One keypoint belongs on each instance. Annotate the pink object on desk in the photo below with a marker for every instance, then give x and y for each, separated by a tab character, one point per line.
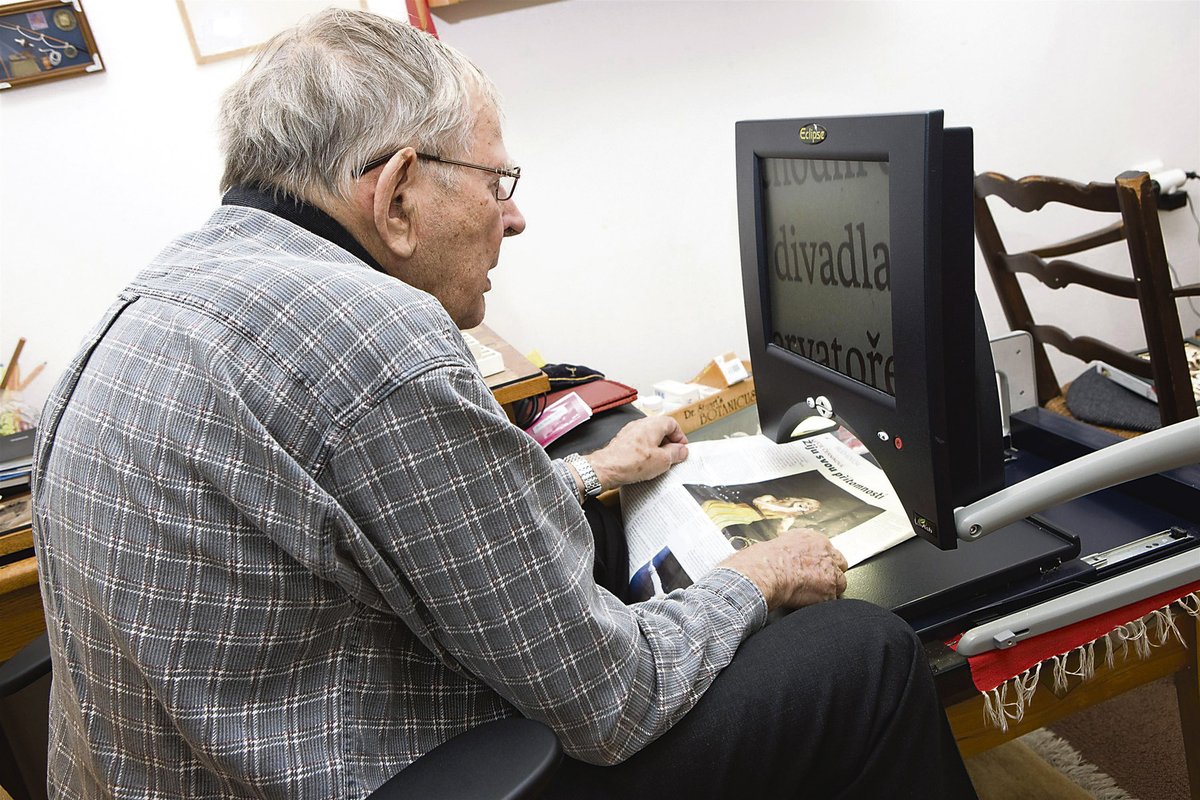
564	414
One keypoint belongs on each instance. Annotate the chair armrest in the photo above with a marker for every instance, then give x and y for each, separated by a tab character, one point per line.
503	760
26	666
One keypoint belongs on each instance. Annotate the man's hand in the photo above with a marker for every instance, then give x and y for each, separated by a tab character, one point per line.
643	449
799	568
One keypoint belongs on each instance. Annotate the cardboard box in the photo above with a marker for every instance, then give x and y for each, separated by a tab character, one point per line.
712	408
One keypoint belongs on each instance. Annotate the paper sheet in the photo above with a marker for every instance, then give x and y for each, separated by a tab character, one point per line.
733	492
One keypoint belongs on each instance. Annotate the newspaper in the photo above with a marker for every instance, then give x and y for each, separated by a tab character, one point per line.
731	493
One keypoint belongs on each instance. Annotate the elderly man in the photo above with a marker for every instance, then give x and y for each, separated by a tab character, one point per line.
289	542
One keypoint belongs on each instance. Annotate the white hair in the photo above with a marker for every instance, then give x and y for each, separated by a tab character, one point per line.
339	89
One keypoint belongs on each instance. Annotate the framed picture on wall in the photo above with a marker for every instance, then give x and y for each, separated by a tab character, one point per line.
43	40
219	29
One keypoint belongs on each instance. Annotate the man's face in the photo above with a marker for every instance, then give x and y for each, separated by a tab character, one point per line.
459	229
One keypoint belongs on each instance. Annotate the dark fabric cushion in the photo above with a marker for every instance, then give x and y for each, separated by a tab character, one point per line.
1094	398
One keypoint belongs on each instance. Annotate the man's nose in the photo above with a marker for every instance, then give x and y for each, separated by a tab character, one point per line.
514	220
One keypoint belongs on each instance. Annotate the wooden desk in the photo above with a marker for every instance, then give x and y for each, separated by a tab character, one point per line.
520	378
975	735
20	601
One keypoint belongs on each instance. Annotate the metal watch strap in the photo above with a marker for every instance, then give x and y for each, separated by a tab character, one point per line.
591	482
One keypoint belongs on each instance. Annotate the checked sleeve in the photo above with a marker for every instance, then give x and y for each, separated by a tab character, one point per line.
466	531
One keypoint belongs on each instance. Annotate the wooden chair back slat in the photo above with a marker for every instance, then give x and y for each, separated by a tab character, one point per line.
1089	241
1060	272
1088	348
1034	192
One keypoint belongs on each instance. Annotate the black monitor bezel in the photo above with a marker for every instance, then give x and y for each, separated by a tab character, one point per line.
949	454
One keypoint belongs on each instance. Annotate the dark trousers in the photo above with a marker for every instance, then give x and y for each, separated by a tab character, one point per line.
832	701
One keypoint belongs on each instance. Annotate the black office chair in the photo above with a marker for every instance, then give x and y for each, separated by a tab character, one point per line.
509	759
1133	198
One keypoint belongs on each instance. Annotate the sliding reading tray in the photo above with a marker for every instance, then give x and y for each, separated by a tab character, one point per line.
1070	546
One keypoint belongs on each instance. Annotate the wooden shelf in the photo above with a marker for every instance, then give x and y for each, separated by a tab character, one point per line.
520	378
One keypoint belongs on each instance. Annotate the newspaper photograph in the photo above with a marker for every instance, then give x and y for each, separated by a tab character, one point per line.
731	493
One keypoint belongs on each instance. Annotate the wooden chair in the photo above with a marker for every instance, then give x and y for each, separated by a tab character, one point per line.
1134	196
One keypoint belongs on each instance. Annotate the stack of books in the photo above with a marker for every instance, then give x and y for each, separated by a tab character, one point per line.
16	459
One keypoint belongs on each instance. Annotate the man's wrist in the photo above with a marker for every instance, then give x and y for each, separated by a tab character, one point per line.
757	572
591	486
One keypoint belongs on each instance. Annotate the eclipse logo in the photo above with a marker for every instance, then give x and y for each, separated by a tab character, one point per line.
812	133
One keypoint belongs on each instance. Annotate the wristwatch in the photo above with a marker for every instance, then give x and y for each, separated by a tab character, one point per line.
591	482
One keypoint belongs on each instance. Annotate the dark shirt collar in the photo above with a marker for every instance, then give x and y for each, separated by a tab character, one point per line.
306	215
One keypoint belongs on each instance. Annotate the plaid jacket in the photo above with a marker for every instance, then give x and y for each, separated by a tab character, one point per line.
288	543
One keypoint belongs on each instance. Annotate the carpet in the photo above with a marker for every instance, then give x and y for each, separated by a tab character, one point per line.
1127	748
1014	771
1136	738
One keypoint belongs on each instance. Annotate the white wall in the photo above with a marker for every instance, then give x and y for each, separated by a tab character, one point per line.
621	115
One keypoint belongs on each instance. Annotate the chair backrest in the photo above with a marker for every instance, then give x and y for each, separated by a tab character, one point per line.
1134	196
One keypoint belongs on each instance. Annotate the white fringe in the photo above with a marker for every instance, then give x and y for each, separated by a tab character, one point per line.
1059	753
1153	630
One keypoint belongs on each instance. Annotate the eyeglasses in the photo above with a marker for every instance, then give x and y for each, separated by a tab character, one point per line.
504	189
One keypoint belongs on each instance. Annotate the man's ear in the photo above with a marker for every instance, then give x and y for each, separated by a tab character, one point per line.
393	203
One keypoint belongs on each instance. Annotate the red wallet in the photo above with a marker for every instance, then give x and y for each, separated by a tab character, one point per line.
600	395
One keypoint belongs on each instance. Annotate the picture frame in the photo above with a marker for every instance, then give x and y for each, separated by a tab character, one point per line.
45	40
218	29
